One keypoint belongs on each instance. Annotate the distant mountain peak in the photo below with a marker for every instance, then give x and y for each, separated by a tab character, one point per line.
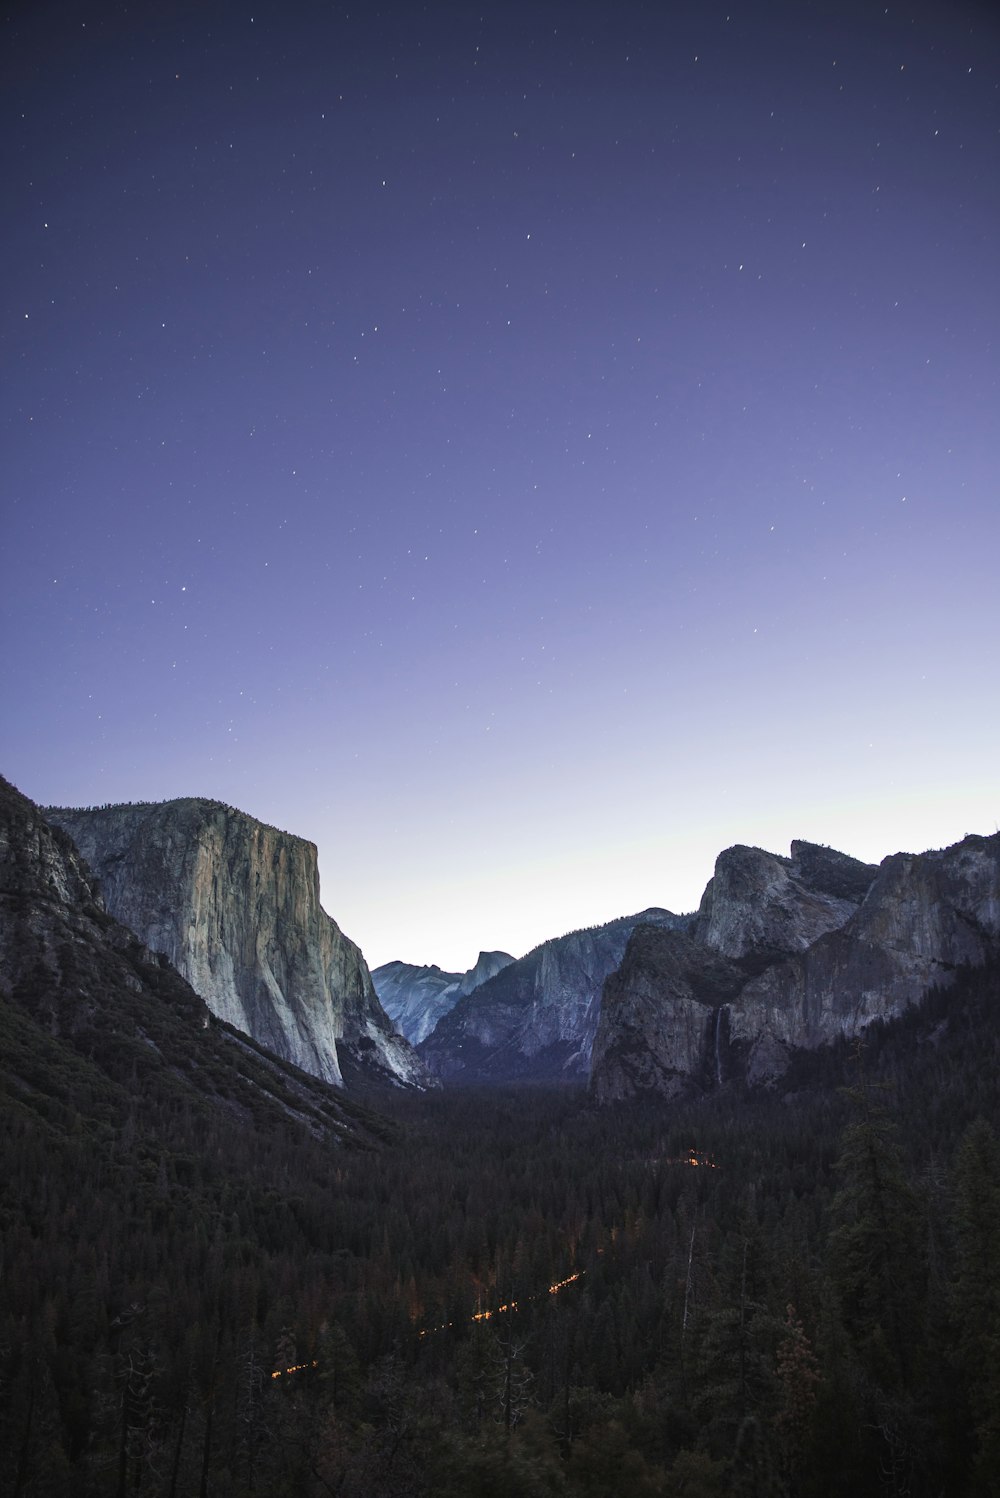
416	997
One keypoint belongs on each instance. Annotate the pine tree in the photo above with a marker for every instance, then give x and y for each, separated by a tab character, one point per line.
736	1364
798	1378
977	1294
876	1247
878	1271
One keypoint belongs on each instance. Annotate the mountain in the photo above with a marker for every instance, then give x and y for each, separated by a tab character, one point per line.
761	906
787	954
925	916
234	905
658	1015
222	1275
96	1026
415	997
536	1019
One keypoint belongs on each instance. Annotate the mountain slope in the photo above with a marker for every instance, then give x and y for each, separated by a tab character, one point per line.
763	906
660	1024
415	998
537	1018
235	907
925	915
817	946
96	1024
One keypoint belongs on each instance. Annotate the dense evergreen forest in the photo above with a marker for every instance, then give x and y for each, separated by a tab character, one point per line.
515	1292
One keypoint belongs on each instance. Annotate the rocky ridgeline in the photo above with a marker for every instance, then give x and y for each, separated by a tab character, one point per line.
787	954
536	1020
235	907
416	997
782	954
762	906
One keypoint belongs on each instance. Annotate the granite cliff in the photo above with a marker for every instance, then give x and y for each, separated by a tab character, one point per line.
660	1014
788	954
924	916
234	905
415	998
762	907
536	1020
95	1024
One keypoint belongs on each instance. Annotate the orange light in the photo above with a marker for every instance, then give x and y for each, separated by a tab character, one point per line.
281	1372
693	1158
511	1306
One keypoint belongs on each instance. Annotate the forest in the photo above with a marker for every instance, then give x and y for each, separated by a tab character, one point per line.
514	1292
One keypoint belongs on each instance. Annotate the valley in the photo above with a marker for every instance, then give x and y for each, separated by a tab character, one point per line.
699	1315
223	1275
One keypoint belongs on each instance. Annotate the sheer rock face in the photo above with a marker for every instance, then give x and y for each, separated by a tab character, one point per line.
924	915
80	981
660	1014
538	1017
415	997
235	907
487	965
762	906
817	946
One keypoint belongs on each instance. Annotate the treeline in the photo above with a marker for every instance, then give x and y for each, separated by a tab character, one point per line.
206	801
622	920
812	1309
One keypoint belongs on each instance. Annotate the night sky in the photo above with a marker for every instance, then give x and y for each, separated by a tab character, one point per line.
523	448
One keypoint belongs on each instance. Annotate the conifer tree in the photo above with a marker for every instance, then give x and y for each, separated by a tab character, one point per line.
798	1377
977	1294
876	1246
878	1272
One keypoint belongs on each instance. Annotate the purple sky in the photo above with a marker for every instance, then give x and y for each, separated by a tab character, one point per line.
524	449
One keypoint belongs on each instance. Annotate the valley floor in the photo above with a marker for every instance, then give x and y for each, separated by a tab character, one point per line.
516	1292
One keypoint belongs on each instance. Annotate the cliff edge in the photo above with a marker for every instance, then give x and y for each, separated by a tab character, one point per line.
234	905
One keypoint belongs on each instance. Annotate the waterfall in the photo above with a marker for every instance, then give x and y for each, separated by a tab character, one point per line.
723	1008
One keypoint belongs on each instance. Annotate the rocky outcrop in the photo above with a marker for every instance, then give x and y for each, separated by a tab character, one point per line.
415	998
536	1020
925	915
764	907
94	1021
662	1016
234	905
816	946
487	965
